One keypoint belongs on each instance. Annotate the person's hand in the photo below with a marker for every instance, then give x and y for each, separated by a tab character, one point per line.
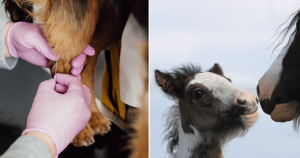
26	40
61	116
78	62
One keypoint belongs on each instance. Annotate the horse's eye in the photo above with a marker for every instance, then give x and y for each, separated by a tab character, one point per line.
198	94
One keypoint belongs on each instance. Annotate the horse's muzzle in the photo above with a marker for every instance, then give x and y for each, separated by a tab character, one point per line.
266	106
282	113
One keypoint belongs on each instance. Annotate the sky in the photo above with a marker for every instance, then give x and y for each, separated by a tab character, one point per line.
239	36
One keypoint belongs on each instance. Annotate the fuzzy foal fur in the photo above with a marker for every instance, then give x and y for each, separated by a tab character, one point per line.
69	25
200	127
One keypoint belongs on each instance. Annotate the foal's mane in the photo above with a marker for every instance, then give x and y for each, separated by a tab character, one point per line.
184	71
172	114
171	124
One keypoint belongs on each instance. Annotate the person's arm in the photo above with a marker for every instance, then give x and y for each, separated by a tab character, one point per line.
5	31
27	146
46	139
55	118
6	60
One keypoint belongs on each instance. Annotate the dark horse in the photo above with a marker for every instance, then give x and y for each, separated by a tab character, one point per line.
279	88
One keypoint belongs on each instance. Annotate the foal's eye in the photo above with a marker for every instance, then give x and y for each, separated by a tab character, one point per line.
198	94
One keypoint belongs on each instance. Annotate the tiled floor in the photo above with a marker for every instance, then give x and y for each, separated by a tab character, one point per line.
17	90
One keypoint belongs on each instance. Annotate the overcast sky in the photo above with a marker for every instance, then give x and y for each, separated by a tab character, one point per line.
235	34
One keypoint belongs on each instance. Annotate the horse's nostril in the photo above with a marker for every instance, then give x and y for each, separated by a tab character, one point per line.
256	99
266	106
241	102
257	89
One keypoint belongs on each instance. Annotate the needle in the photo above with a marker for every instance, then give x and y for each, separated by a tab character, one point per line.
55	76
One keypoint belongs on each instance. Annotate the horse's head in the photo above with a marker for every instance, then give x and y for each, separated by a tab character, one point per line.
279	88
208	101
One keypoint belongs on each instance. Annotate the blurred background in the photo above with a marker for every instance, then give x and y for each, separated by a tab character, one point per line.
237	35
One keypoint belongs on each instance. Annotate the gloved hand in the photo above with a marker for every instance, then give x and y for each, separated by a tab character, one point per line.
27	41
61	116
77	62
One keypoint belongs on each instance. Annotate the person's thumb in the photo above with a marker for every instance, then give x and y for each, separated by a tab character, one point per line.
73	83
43	46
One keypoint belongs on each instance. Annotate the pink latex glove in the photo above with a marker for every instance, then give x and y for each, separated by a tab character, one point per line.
27	41
61	116
77	62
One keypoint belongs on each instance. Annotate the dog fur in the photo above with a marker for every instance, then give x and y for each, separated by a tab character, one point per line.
69	26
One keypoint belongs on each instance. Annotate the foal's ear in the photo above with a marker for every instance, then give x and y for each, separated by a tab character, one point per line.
167	83
216	69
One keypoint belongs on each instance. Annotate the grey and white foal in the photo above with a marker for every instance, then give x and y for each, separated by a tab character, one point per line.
209	111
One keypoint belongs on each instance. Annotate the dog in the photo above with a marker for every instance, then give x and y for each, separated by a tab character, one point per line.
69	26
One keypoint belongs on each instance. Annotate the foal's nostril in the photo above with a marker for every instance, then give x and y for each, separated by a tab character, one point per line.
241	102
257	89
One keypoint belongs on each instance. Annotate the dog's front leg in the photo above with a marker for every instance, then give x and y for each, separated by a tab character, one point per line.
97	124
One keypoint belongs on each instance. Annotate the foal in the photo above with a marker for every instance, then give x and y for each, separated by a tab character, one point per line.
209	111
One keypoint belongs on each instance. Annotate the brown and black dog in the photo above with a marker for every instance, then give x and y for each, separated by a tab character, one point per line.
69	25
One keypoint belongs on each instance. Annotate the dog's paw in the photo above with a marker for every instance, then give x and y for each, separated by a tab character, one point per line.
84	138
99	124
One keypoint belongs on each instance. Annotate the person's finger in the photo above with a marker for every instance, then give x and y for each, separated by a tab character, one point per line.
61	88
75	71
78	76
38	59
73	83
89	50
79	61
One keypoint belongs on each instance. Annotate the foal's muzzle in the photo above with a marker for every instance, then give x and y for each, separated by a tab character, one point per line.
246	108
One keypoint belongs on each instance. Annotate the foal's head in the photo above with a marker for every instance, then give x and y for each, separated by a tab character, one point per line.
208	102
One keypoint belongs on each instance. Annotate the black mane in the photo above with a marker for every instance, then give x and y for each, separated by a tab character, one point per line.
173	82
184	71
171	129
284	32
